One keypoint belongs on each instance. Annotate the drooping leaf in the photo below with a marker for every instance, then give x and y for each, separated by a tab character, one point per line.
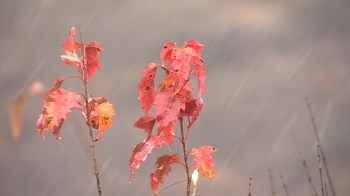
181	67
196	46
58	103
101	115
146	122
198	109
168	108
147	90
203	160
168	133
200	72
91	59
70	48
163	169
141	151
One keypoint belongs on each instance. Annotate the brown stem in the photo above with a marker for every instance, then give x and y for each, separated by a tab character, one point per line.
311	185
284	186
321	149
185	158
271	183
88	113
250	184
320	168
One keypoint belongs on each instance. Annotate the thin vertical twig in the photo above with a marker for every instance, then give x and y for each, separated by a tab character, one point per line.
320	168
271	183
311	185
88	113
284	186
321	149
250	184
183	141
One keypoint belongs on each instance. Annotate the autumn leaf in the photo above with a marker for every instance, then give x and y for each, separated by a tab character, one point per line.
141	151
147	90
168	108
196	46
70	48
181	67
203	160
146	122
91	59
200	72
16	116
165	53
58	103
197	111
101	115
163	169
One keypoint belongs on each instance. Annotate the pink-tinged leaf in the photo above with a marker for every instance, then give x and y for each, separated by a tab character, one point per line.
168	108
196	46
165	53
191	108
181	67
146	122
70	48
168	133
56	85
198	109
186	91
142	150
203	160
200	72
163	169
57	105
147	90
91	59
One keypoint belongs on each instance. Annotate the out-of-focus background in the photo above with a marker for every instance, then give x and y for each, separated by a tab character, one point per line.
262	57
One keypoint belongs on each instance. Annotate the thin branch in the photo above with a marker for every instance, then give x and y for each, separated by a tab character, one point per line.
185	158
321	149
271	183
250	184
311	185
284	186
172	184
88	113
320	168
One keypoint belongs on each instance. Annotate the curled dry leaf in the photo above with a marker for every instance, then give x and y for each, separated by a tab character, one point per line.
203	160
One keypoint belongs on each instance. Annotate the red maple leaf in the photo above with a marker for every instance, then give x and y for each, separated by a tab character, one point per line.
142	149
203	160
91	59
165	53
163	169
146	122
70	48
147	90
58	103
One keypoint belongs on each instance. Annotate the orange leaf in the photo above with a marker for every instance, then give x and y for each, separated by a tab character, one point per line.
203	160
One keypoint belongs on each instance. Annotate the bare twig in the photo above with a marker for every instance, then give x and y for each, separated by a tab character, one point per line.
185	158
321	149
88	113
172	184
311	185
250	184
284	186
320	168
271	183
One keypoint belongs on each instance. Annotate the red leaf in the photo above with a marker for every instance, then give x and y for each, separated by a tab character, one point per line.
142	150
200	72
198	109
147	90
58	103
203	160
168	108
70	48
91	59
196	46
163	169
165	53
181	67
146	122
168	133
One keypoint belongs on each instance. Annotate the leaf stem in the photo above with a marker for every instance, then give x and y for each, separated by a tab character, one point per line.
73	77
88	113
185	158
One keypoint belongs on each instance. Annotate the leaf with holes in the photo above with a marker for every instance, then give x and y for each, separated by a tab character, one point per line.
147	90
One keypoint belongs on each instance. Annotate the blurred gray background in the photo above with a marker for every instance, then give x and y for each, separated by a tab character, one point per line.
262	57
